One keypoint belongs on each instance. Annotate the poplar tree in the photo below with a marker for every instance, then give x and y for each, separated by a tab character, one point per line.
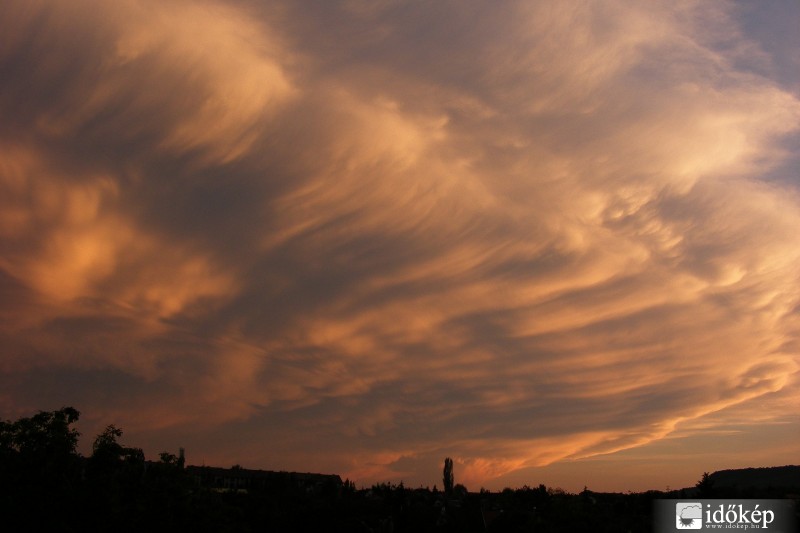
448	475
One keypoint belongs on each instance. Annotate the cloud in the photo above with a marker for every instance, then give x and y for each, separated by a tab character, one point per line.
512	234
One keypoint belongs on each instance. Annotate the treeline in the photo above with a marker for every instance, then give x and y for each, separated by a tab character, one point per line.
45	485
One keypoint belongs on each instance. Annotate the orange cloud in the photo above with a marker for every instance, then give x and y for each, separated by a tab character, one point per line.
550	237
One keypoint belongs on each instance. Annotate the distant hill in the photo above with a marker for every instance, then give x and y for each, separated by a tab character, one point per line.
759	478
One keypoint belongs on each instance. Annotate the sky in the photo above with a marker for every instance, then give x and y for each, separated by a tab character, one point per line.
556	241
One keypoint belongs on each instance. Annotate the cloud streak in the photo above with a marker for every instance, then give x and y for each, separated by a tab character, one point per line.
517	234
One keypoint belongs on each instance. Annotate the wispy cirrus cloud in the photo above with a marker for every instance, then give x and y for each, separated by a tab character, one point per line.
514	234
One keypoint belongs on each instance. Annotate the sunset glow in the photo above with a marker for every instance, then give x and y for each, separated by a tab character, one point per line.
556	241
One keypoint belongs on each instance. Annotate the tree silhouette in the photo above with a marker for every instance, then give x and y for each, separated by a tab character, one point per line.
46	486
39	468
448	475
705	487
114	485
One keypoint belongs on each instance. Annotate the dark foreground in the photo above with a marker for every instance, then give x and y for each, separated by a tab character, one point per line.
46	486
